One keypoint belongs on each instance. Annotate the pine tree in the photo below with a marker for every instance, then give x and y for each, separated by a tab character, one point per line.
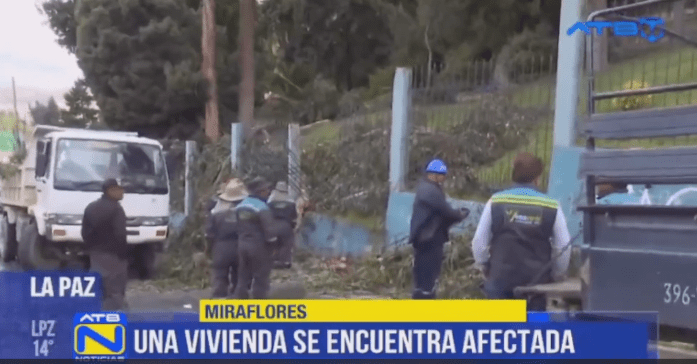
53	113
79	112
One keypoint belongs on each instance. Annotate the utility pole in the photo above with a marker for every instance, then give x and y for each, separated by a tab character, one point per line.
246	96
14	98
208	33
16	126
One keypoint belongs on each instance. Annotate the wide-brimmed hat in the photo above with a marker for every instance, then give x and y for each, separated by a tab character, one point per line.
234	191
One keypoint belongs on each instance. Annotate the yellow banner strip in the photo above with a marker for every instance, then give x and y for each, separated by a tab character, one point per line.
362	311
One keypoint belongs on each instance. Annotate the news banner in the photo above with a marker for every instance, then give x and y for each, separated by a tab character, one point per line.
57	316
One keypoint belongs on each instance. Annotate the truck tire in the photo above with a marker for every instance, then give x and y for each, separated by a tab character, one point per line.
146	260
8	240
31	250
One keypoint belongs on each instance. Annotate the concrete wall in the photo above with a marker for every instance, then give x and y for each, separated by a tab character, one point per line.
331	237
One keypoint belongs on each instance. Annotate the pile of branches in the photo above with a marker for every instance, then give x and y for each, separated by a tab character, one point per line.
389	275
212	167
494	127
352	174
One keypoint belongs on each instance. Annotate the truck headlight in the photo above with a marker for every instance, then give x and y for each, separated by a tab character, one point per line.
64	219
155	221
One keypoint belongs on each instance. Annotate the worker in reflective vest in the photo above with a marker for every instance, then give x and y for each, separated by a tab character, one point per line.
258	239
521	230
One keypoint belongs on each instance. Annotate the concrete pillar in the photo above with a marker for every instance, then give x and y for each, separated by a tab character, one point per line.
236	140
401	128
294	157
564	184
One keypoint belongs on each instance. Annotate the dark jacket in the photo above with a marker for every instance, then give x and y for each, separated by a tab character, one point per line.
522	225
104	227
255	222
284	211
222	227
432	216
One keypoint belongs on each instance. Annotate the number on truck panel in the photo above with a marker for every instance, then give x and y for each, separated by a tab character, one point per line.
676	293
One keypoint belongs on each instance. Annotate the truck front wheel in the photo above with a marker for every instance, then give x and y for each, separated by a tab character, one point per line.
8	240
31	252
146	260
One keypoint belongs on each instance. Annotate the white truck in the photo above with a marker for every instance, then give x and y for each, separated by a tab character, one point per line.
44	201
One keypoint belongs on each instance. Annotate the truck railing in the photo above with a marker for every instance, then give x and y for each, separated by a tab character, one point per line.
636	256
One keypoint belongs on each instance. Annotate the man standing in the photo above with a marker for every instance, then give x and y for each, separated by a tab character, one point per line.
431	220
258	239
221	233
521	230
104	234
286	214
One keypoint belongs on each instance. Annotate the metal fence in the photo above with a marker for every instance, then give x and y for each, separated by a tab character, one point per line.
478	119
345	162
489	104
644	64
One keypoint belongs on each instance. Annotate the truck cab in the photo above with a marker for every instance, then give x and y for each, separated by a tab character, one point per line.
62	173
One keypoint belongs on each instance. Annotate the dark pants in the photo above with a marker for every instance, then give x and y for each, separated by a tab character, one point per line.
284	254
114	273
427	267
224	268
536	303
256	263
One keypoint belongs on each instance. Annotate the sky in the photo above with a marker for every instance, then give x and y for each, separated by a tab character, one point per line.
30	54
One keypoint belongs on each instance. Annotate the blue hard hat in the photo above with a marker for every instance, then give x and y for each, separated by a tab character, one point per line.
437	166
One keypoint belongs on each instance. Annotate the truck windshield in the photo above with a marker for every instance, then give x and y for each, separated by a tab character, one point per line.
83	165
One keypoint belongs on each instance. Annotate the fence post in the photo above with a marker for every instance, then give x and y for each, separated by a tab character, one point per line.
564	183
399	139
236	139
294	157
189	189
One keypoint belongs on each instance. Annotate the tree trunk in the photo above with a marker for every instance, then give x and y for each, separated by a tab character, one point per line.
208	31
429	64
600	42
246	95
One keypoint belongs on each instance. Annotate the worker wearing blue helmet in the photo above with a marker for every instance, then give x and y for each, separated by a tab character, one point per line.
431	220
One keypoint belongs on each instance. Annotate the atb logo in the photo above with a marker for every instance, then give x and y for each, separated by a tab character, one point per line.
649	28
99	336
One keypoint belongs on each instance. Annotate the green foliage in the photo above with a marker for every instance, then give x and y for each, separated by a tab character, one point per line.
61	20
343	40
520	51
141	60
380	83
633	102
48	114
80	113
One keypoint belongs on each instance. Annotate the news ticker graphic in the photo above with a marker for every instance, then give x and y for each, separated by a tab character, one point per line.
37	310
362	311
543	336
57	316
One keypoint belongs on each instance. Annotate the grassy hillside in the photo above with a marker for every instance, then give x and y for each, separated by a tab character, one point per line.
678	66
657	69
